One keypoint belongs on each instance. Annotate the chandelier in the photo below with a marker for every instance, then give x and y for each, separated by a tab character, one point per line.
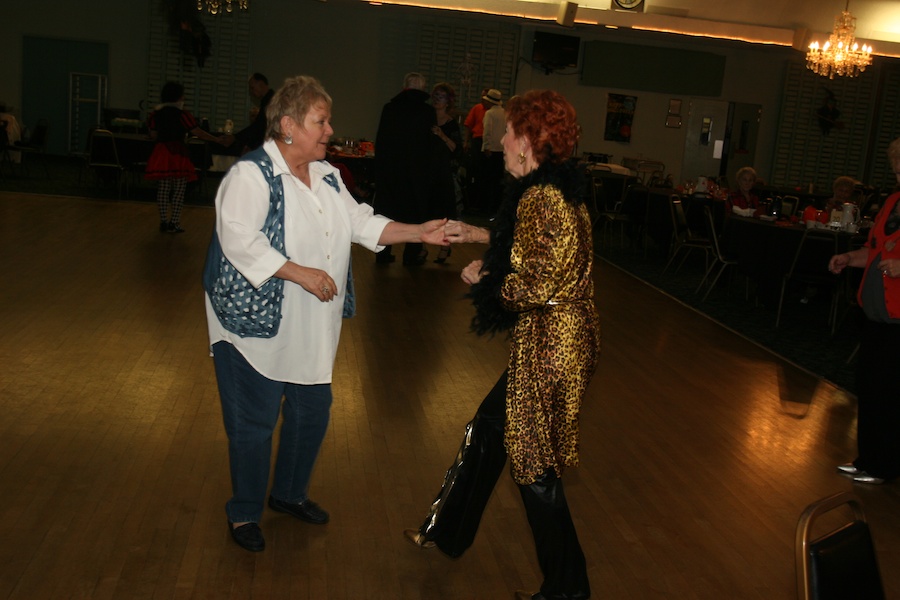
840	55
214	7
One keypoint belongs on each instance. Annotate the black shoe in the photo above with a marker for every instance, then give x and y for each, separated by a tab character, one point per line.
307	510
249	537
383	258
173	228
416	538
443	254
163	226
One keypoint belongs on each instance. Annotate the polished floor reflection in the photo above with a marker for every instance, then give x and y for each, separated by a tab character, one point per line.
699	450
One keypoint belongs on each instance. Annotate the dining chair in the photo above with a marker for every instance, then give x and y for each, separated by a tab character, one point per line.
719	258
103	159
5	156
809	267
35	146
611	216
595	207
789	205
684	239
842	562
198	150
649	169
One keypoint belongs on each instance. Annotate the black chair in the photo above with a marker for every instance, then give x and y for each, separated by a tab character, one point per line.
35	146
810	267
840	564
103	159
596	196
684	239
720	259
198	150
5	147
611	214
649	169
789	206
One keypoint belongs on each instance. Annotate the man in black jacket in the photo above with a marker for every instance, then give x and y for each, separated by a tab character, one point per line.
405	159
253	135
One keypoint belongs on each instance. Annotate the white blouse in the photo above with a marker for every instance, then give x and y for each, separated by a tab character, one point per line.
320	225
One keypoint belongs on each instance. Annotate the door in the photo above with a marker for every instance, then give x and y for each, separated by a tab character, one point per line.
740	139
46	65
705	138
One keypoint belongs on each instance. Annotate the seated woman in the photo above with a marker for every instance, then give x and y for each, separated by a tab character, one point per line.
744	197
842	191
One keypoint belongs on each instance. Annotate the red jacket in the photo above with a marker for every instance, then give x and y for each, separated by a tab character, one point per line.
876	244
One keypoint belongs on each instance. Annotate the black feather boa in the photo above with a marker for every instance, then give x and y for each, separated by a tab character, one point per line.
490	315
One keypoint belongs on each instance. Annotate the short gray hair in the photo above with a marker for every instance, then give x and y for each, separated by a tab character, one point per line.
415	81
294	99
746	171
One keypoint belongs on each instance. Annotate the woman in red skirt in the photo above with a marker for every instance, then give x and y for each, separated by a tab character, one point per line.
170	163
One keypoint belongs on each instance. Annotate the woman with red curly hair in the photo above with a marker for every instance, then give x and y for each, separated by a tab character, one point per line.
535	282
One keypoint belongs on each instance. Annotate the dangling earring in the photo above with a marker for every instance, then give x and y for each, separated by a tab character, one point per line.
521	158
288	139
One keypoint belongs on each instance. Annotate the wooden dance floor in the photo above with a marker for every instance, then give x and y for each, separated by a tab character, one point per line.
699	449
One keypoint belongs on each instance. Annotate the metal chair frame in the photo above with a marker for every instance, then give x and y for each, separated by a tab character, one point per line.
683	238
824	237
841	563
719	258
108	158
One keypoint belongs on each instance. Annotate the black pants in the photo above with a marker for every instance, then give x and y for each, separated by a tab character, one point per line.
878	405
456	511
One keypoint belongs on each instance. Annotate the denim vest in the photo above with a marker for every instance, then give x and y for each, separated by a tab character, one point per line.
242	309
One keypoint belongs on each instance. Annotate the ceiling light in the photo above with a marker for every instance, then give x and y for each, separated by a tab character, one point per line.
840	55
214	7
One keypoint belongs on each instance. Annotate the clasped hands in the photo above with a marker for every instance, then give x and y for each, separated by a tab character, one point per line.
458	232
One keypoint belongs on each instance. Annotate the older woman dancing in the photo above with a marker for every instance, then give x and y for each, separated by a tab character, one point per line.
275	294
878	409
535	280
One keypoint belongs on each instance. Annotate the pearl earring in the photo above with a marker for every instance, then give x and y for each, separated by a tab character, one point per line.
288	139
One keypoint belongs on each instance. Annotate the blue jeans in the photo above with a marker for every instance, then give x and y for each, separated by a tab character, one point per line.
250	407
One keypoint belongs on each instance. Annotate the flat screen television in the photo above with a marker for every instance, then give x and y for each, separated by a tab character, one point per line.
555	51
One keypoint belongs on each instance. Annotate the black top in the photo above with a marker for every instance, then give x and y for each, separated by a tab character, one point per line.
254	134
406	154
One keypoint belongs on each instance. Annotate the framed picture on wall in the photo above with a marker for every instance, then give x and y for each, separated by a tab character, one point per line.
619	117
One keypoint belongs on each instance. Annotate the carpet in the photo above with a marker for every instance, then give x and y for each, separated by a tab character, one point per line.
803	337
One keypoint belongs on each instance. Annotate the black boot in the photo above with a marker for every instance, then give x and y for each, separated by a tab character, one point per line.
559	553
457	509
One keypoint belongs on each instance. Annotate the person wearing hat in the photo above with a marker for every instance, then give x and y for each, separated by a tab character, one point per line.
492	148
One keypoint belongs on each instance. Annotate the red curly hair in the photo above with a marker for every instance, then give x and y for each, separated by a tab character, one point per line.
547	119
